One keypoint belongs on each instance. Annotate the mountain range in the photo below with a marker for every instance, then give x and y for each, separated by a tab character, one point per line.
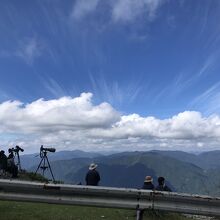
184	172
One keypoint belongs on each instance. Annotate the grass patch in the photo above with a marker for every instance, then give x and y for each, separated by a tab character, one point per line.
40	211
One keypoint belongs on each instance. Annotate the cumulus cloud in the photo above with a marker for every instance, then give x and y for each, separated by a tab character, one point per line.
188	125
120	10
70	123
54	115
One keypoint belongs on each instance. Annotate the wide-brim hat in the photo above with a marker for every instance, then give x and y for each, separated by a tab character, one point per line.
92	166
148	179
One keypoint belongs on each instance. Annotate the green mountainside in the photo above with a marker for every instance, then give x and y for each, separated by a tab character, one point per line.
182	171
126	169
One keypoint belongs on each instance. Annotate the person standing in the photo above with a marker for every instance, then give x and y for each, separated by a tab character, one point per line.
11	167
3	161
161	185
92	176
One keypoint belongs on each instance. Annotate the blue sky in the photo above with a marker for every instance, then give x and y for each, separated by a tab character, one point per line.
154	58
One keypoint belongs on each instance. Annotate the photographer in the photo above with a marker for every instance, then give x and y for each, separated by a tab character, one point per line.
11	167
3	161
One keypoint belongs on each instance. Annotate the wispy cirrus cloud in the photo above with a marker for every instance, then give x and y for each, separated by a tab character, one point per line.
114	92
123	11
191	76
208	65
129	10
54	87
83	7
209	100
27	49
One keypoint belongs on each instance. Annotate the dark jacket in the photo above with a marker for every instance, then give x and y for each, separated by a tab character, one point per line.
163	188
3	161
148	185
92	178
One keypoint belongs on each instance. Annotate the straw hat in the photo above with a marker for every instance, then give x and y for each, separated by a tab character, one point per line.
148	179
92	166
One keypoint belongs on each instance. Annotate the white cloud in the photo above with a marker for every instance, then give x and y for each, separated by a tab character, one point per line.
116	93
208	100
128	10
70	123
83	7
188	125
28	50
120	10
54	87
54	115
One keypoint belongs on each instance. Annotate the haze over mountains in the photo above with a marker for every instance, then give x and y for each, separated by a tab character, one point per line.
185	172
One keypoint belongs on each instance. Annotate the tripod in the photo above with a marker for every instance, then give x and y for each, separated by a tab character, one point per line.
18	160
44	160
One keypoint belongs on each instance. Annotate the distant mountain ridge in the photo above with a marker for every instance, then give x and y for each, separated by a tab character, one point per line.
184	172
205	160
30	160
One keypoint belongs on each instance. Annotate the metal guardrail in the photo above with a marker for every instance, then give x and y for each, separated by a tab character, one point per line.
108	197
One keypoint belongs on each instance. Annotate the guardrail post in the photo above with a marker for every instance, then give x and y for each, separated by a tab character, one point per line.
140	214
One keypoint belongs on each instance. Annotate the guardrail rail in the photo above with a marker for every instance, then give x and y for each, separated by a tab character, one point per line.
108	197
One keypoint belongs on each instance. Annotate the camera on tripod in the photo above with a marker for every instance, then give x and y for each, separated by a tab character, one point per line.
14	153
44	163
16	149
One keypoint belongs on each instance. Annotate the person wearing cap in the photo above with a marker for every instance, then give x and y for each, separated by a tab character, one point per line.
92	176
161	185
148	185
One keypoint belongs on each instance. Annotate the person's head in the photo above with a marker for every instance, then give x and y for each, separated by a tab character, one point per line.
92	166
2	152
148	179
161	180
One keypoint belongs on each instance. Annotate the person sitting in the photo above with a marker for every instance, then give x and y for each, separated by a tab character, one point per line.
148	183
92	176
162	186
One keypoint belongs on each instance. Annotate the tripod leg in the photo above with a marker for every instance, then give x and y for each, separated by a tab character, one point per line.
19	162
50	168
44	167
38	166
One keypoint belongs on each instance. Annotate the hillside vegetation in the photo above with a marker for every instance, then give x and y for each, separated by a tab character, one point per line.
181	170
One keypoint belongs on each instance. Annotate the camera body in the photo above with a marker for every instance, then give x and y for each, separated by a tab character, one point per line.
45	149
16	149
